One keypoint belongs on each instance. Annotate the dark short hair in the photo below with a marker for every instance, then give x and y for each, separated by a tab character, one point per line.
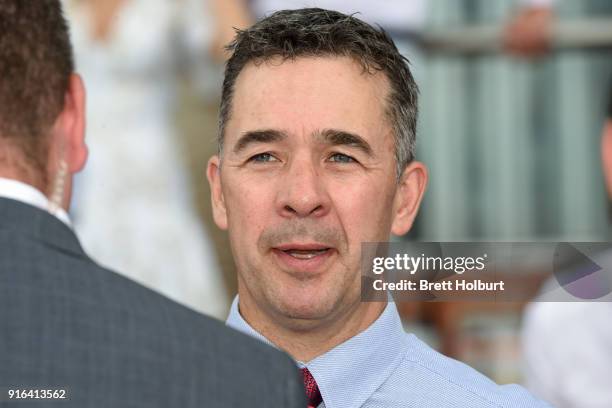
314	32
35	65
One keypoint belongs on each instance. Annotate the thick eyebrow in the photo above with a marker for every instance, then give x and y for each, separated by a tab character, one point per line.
337	137
334	137
258	136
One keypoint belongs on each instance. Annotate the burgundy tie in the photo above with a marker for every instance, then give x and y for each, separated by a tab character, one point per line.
312	389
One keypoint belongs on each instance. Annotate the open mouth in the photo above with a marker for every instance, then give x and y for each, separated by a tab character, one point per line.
305	253
303	256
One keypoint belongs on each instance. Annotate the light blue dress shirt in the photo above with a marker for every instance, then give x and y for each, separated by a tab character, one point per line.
385	367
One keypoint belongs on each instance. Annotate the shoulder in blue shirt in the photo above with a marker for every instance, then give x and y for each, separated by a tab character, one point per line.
383	367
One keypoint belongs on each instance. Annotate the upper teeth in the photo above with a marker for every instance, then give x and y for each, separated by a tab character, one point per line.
305	254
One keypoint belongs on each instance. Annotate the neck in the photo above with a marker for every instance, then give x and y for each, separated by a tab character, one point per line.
306	340
58	194
16	165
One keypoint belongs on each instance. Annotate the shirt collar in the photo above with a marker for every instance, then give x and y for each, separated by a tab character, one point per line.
235	321
348	374
27	194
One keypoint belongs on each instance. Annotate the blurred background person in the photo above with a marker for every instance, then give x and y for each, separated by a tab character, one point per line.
529	32
135	209
568	345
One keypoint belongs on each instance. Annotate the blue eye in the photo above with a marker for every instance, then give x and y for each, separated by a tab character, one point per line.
341	158
262	158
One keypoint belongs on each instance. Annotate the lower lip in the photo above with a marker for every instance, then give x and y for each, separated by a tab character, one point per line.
311	265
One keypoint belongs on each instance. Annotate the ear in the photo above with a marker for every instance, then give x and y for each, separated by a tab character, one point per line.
213	173
408	197
70	126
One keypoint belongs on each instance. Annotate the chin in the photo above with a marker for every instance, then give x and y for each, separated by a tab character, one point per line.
312	300
305	305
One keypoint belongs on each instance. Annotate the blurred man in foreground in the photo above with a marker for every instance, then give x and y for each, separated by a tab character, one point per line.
317	140
70	331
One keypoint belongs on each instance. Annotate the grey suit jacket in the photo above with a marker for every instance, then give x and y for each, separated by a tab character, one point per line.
67	323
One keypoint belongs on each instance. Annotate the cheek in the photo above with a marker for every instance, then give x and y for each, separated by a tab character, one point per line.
364	208
249	207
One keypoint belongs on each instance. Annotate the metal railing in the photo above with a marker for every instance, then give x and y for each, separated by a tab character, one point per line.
584	34
512	146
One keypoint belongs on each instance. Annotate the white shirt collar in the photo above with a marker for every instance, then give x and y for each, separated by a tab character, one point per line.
27	194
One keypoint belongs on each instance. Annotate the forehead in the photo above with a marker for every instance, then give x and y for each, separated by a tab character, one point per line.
307	94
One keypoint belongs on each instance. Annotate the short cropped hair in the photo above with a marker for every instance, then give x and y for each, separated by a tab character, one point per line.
36	61
314	32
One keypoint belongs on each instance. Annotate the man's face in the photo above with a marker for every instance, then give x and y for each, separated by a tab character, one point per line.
307	174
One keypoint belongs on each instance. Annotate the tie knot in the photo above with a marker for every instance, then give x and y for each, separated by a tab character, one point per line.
312	389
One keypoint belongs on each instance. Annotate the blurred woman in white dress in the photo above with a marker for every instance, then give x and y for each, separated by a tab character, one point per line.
134	207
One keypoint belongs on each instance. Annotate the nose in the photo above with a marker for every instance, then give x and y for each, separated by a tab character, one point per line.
302	192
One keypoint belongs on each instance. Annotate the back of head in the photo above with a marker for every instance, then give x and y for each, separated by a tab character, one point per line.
314	32
35	66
